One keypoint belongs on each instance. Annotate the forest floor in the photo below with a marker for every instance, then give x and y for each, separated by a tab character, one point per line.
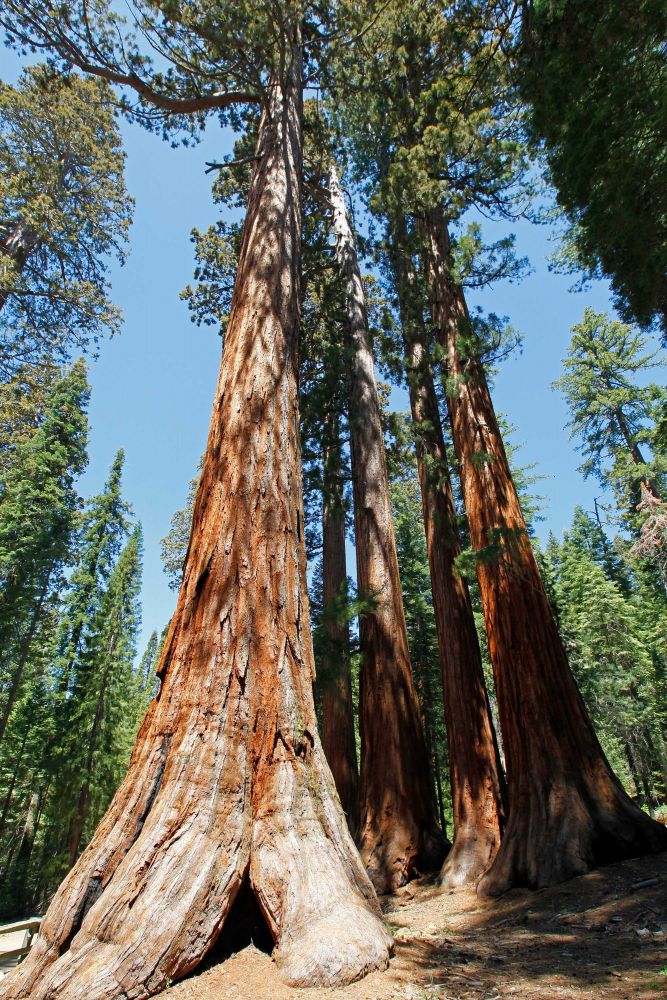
601	935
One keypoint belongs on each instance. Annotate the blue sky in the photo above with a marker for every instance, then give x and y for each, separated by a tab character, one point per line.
152	387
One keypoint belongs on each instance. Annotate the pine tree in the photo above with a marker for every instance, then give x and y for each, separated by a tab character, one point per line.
64	210
609	653
102	532
103	709
38	518
611	413
174	545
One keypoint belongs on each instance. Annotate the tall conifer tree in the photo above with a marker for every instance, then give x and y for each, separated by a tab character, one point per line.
443	139
38	518
265	815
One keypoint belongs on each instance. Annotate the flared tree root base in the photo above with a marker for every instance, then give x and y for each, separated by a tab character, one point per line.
151	894
393	858
471	855
570	842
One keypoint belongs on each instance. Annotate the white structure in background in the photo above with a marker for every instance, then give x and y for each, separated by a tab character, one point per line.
15	942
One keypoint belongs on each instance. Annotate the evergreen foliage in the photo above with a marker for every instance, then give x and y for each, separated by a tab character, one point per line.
38	517
72	698
612	413
595	79
64	211
602	618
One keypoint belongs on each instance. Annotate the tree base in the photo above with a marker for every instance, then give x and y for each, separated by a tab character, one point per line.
569	839
391	861
473	851
150	896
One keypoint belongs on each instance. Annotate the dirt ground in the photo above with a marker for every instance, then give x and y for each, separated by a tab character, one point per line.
599	936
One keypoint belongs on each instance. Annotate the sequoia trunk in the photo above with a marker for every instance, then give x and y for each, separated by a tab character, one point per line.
568	812
338	741
227	783
398	831
477	780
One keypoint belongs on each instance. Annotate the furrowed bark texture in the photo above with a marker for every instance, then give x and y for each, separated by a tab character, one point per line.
227	780
338	740
398	833
568	811
477	779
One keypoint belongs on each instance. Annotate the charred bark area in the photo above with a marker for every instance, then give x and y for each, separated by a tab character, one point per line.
477	779
568	811
398	833
338	741
227	780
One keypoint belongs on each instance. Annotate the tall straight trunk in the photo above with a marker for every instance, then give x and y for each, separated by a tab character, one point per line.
477	780
338	740
228	785
568	811
21	868
398	833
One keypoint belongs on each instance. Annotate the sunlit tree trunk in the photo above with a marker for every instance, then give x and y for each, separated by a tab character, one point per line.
477	780
338	741
398	831
228	785
567	810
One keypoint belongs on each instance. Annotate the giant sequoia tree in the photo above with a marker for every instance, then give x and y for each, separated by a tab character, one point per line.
397	824
227	787
436	88
477	781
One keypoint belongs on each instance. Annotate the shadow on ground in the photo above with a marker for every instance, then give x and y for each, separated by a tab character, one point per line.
602	935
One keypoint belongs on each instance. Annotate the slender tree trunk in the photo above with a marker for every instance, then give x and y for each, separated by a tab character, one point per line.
634	450
338	741
477	780
568	811
20	873
398	830
228	785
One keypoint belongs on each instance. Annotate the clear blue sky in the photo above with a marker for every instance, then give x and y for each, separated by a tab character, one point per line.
152	387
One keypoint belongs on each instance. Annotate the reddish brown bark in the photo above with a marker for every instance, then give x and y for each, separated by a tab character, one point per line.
228	785
398	832
338	741
477	780
568	811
